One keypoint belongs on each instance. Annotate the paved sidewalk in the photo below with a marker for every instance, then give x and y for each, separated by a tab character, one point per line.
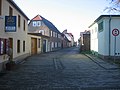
102	63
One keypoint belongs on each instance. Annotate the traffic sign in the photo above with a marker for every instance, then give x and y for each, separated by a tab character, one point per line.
115	32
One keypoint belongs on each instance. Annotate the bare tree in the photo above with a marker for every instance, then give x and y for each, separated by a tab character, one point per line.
116	1
114	6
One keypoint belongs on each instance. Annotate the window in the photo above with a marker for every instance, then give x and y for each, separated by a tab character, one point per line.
59	36
38	23
100	27
55	34
52	44
23	46
0	7
56	44
34	24
24	25
18	20
10	11
59	44
51	33
18	46
3	46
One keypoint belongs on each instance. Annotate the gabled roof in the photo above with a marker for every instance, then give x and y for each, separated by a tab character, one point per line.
15	6
50	25
71	34
37	18
65	38
102	16
46	22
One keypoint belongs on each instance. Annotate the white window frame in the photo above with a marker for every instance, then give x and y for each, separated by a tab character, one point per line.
38	23
51	33
34	23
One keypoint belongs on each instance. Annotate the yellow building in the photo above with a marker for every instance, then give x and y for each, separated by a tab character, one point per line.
13	32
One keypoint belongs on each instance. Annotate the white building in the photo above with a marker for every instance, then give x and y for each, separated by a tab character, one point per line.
102	39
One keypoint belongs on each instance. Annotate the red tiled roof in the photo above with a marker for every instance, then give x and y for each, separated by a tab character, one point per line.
38	17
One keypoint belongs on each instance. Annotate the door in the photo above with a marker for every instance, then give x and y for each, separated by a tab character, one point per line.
33	45
44	45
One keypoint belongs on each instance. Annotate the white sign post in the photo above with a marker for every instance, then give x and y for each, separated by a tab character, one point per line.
115	33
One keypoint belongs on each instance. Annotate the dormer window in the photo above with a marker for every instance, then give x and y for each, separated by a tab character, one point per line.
36	23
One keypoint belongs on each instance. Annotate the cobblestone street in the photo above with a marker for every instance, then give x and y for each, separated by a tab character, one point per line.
62	70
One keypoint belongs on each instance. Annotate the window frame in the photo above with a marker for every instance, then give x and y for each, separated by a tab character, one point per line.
24	46
3	46
34	23
38	23
18	46
10	11
100	26
19	20
51	33
24	25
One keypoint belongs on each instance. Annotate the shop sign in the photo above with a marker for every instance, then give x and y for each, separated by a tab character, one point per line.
10	23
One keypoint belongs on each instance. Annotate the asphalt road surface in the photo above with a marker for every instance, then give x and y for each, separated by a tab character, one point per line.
62	70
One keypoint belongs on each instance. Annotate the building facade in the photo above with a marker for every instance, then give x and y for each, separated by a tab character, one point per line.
52	37
65	41
84	41
13	31
102	38
70	38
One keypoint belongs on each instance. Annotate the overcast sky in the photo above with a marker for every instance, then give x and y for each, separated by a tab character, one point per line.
73	15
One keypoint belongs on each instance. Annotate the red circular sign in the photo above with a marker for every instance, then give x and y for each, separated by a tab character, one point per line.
115	32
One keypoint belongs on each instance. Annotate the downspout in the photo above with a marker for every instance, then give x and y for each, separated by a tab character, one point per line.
109	36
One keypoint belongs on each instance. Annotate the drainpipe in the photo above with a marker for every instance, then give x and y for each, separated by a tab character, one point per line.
109	36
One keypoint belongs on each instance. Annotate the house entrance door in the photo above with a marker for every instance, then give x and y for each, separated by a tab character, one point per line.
33	45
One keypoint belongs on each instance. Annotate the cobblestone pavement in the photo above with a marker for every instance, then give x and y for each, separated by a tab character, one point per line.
62	70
